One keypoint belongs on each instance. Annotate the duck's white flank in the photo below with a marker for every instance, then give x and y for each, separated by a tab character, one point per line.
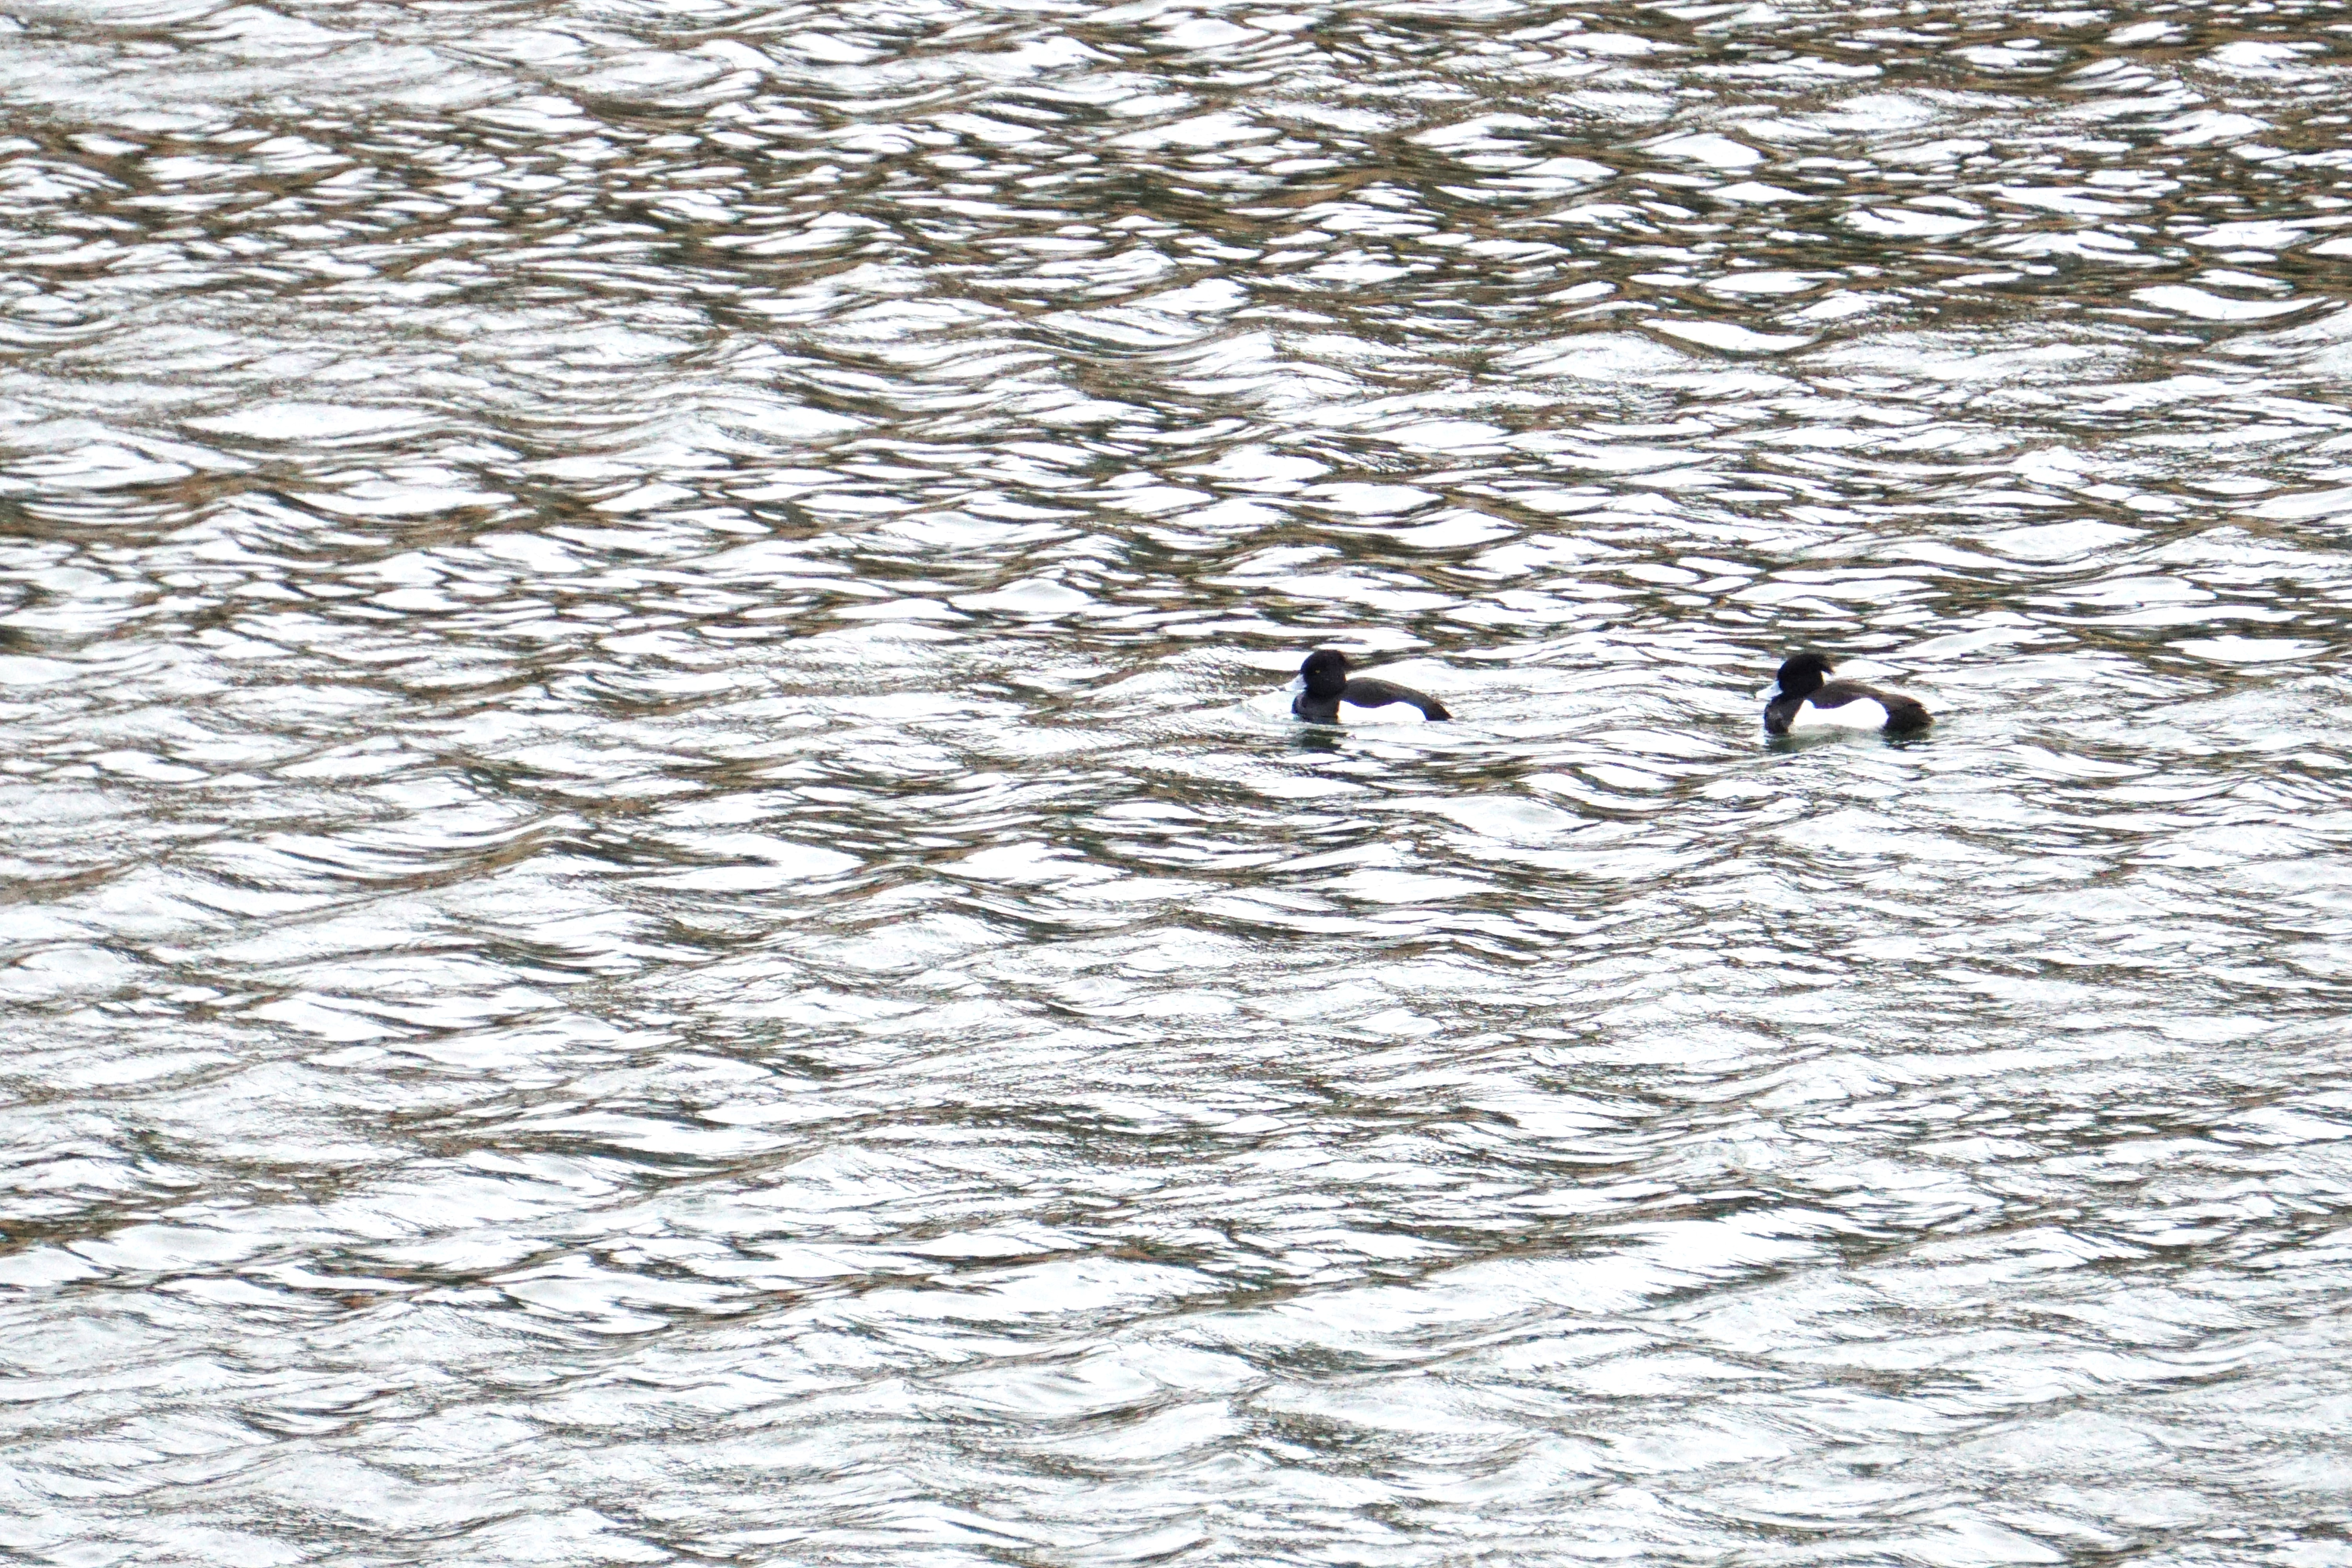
1387	714
1861	713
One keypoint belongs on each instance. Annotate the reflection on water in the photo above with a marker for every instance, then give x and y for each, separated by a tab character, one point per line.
658	903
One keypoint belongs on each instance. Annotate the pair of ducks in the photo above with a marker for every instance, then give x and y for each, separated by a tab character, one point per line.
1803	698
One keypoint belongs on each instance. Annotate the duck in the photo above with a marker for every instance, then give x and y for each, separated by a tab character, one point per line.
1803	697
1326	691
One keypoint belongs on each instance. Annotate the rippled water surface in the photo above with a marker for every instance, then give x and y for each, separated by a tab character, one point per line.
659	905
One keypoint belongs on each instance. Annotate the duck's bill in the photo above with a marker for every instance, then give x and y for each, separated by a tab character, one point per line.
1772	692
1297	683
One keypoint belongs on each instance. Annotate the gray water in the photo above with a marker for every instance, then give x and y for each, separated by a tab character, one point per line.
660	904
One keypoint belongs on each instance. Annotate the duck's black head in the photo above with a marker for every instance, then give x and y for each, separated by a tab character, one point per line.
1803	674
1325	672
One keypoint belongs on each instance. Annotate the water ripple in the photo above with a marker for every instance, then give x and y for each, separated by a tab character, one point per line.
660	904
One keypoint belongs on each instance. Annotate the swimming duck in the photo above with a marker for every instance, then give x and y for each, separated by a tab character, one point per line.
1805	698
1326	692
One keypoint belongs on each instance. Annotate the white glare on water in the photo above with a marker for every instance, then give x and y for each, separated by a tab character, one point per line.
660	904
